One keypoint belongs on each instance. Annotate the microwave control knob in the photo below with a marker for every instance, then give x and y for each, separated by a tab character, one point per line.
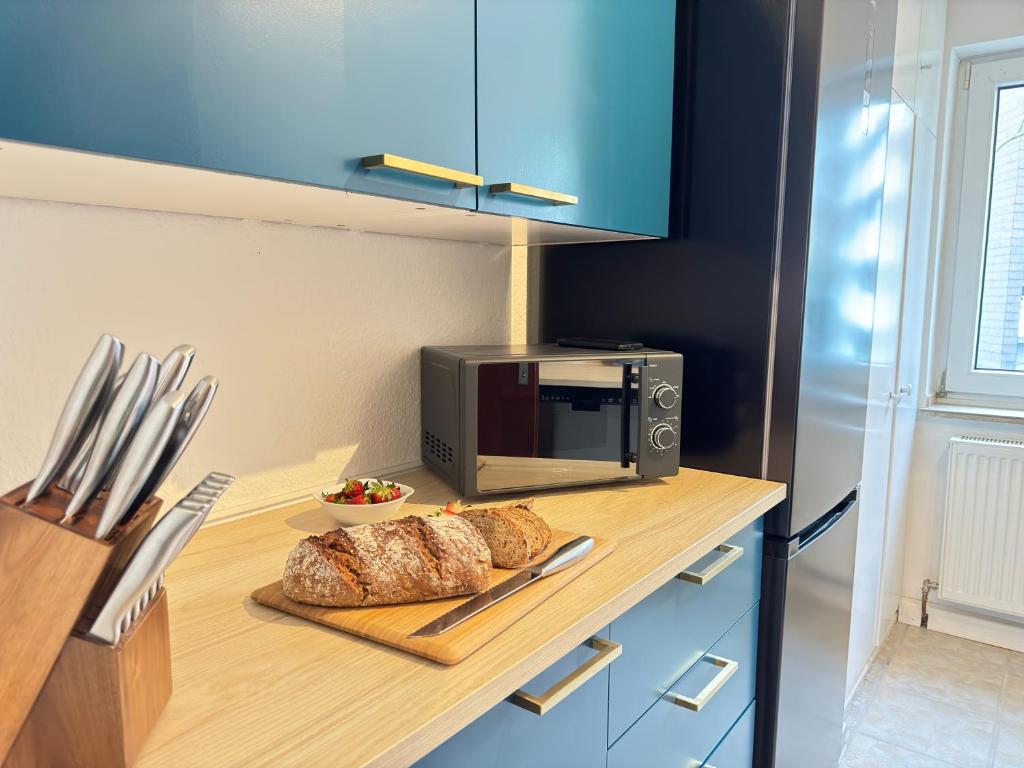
665	396
663	437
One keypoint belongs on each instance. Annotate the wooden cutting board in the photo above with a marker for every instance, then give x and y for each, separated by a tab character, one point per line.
392	624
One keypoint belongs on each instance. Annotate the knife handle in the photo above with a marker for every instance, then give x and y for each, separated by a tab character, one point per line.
564	556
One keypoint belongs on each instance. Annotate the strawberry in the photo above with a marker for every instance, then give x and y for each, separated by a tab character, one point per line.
381	492
396	493
360	499
353	488
452	508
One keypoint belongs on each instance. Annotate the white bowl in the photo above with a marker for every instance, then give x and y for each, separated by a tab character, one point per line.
358	514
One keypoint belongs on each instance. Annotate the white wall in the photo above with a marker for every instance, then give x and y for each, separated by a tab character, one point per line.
314	333
979	21
968	23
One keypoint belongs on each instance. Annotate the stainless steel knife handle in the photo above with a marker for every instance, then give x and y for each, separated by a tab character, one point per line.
174	368
116	430
81	411
140	458
72	476
146	564
192	415
201	500
144	572
564	556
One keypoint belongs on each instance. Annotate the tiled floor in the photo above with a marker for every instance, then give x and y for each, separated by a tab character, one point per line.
934	700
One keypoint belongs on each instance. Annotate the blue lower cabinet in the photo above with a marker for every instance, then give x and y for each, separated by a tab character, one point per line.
575	97
689	721
737	748
670	630
549	723
295	92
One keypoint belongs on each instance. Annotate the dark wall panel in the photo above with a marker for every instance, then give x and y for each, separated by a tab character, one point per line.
706	290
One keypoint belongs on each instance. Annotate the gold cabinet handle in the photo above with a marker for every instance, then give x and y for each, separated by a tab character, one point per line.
541	705
730	555
727	668
515	188
396	163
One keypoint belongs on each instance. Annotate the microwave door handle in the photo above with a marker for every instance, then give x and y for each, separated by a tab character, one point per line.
627	397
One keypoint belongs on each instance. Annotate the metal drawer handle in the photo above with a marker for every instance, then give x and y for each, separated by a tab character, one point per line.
515	188
697	703
541	705
396	163
730	555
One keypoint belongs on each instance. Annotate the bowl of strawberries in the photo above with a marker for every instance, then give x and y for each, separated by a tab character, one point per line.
363	500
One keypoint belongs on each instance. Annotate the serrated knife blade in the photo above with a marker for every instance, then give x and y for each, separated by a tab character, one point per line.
564	556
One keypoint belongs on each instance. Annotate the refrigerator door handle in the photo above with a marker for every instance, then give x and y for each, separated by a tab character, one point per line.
805	540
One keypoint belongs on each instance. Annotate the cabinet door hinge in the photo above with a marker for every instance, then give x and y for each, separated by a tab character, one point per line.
967	75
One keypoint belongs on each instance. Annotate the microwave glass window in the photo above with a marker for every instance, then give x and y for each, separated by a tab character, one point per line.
561	421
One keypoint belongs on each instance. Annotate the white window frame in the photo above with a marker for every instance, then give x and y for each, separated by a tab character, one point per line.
977	85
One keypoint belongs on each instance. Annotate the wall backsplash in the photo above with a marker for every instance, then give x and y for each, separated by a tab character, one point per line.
313	332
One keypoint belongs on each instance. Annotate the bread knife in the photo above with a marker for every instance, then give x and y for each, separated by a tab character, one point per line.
564	556
140	458
157	550
115	432
192	415
81	411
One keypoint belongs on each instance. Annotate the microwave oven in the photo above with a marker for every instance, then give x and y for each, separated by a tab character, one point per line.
500	419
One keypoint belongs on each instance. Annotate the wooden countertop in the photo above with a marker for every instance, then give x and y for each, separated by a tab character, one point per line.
253	686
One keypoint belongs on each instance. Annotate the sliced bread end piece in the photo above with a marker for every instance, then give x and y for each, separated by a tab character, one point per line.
506	538
537	531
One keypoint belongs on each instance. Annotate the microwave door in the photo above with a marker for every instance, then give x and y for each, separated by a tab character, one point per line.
555	423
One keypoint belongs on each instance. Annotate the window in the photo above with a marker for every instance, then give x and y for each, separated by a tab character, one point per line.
986	331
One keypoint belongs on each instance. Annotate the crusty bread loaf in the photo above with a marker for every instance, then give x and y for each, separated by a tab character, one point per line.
393	561
514	533
506	538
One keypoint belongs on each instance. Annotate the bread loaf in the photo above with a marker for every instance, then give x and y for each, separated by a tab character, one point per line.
514	534
393	561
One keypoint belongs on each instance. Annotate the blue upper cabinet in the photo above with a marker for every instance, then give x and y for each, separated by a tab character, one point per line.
305	91
575	97
296	92
109	77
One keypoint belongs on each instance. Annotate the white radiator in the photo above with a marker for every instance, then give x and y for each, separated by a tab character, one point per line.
983	534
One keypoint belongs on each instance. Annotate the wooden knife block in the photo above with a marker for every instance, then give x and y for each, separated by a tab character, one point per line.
100	702
51	576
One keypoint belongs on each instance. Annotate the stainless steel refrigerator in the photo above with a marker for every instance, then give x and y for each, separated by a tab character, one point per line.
766	285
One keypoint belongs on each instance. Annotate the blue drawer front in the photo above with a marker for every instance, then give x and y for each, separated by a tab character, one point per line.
670	630
570	735
670	735
264	89
737	748
575	96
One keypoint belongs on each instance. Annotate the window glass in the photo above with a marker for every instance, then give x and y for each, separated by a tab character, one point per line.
1000	337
